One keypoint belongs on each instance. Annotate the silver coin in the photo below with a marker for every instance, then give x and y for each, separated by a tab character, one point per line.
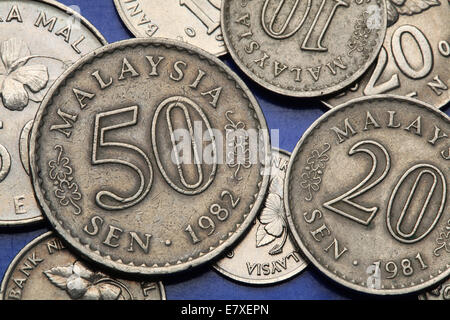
45	270
107	169
441	292
38	41
304	48
196	22
414	59
266	255
367	194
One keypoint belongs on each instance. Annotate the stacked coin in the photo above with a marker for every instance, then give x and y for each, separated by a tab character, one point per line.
150	156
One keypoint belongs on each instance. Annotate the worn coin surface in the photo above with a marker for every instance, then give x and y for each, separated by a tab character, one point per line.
45	270
304	48
193	21
38	41
144	156
441	292
414	58
367	194
267	254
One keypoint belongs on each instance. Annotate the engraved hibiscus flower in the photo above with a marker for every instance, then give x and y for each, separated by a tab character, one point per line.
16	78
81	283
407	7
272	218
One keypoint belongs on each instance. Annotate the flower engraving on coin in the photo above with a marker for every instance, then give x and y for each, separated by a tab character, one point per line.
443	241
407	7
401	68
16	77
359	39
272	218
66	190
81	283
311	177
19	82
237	140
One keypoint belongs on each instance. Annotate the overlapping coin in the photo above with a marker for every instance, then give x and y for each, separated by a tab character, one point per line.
304	48
38	41
150	156
267	254
367	194
46	270
196	22
441	292
414	58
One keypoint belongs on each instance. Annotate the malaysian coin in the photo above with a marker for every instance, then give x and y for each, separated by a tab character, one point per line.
196	22
441	292
45	270
304	48
367	194
149	156
38	41
267	254
414	58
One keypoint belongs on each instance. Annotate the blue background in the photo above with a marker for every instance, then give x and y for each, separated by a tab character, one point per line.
291	116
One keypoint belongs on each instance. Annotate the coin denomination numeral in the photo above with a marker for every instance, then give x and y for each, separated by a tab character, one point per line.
126	117
100	142
402	63
395	225
393	83
183	104
319	20
363	214
5	162
200	9
399	55
398	214
24	142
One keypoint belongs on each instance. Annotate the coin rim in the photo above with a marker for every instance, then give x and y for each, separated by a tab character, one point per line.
102	258
283	278
130	27
49	234
101	38
439	107
300	94
293	228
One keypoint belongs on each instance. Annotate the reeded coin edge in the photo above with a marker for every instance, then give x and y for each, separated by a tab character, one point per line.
99	36
292	92
327	270
286	276
136	33
116	263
